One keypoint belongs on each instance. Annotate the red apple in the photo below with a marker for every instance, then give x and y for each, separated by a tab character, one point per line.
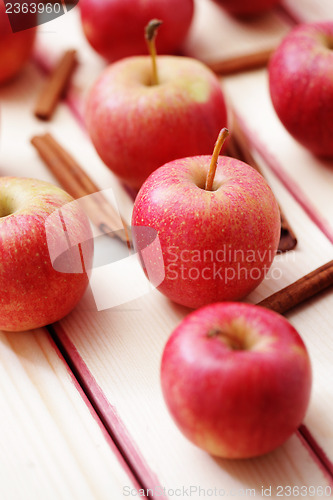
15	48
301	85
136	126
114	28
247	7
41	278
218	243
236	378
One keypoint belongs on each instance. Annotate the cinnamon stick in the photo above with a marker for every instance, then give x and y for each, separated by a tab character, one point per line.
55	86
72	167
306	287
78	184
238	147
288	240
241	63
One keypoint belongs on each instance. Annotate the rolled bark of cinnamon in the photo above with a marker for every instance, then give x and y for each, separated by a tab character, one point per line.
55	86
303	289
241	63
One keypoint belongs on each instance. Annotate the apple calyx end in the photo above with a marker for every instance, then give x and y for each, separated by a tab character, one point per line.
8	207
5	213
224	132
329	42
232	341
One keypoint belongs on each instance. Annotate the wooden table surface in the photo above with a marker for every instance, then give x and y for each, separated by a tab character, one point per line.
81	409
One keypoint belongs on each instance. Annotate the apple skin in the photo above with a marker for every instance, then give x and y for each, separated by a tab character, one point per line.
136	127
246	8
115	28
33	293
301	85
216	245
236	379
15	48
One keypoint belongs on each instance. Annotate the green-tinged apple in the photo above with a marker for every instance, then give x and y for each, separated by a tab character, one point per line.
46	251
247	7
218	225
236	379
301	85
143	112
114	27
15	48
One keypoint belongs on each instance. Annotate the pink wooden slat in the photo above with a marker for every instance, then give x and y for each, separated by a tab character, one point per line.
114	429
88	401
287	181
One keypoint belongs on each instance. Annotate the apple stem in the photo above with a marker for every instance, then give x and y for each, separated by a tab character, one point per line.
213	164
150	35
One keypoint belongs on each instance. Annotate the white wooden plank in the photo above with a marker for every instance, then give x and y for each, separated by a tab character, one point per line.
314	322
311	178
216	35
310	10
52	446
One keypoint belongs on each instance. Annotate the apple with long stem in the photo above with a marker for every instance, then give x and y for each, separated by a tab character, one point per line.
46	251
236	379
145	111
218	225
15	48
114	27
301	85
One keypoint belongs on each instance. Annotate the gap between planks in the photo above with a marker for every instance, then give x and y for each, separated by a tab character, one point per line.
296	192
95	413
116	433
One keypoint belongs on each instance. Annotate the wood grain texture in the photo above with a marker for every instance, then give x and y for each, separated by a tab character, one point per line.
314	322
52	445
